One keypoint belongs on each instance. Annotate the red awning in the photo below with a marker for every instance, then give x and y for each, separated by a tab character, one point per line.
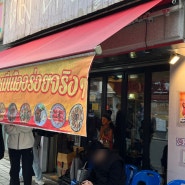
79	39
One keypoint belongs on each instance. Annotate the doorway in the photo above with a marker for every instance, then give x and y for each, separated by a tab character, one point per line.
141	95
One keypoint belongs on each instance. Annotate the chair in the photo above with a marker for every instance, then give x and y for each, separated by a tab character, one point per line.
148	177
73	182
177	182
130	171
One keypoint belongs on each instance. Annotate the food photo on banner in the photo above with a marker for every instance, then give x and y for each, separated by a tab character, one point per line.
50	96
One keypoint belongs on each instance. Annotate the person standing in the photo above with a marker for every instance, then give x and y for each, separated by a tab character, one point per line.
36	162
2	148
119	133
20	146
106	131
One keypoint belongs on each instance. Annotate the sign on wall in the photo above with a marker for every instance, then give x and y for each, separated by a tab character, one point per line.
51	96
24	18
182	109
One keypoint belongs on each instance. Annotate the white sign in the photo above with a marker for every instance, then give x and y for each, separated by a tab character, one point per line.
160	125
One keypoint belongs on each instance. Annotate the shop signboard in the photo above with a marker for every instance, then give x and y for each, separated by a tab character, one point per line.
50	96
25	18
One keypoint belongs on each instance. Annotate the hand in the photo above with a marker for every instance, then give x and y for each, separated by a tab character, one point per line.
87	182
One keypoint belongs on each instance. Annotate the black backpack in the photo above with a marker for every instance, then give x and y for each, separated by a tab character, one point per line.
44	133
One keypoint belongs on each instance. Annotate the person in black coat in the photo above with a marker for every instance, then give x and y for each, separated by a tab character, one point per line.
108	167
164	162
2	148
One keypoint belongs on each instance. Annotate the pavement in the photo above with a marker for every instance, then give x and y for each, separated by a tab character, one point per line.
4	172
5	178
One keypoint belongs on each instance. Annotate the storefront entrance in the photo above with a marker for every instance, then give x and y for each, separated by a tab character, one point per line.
138	99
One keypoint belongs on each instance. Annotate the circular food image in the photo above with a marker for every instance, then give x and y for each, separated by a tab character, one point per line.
2	111
40	114
25	113
58	115
12	112
76	117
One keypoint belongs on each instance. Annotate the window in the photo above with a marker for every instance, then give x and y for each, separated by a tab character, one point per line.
95	96
159	117
114	89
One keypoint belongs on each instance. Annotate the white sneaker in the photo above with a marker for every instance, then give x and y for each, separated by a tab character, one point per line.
41	182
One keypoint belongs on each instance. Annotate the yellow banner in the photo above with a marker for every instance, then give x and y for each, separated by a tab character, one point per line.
51	96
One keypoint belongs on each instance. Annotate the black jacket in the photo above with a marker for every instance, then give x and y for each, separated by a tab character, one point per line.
2	149
110	172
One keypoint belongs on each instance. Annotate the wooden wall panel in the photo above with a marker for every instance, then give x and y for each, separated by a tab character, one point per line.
25	17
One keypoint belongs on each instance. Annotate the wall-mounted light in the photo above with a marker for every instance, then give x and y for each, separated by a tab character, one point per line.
131	96
133	54
134	76
174	59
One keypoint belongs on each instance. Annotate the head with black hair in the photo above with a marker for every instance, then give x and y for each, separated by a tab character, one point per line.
109	112
97	152
106	118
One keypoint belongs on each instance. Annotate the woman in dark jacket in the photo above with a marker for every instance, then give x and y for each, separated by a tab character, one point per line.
108	167
1	143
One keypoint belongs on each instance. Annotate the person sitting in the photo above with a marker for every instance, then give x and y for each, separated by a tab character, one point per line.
107	168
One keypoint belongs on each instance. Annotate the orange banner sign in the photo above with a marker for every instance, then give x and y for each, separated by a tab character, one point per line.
51	96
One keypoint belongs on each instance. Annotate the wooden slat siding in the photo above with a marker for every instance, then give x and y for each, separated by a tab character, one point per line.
82	11
21	21
89	6
97	5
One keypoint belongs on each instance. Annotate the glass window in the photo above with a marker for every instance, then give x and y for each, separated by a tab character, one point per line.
135	117
95	96
159	105
114	89
159	117
135	110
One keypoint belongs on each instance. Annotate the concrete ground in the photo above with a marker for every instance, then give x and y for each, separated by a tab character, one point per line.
4	174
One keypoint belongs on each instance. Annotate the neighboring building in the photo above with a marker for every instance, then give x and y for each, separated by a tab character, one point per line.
130	43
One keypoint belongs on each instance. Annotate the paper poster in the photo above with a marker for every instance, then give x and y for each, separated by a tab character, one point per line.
160	125
182	108
51	96
95	106
92	97
182	158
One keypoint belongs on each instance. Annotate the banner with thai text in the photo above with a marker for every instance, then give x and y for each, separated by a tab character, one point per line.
50	96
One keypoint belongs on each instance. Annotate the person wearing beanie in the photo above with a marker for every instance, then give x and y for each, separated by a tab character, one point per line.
108	167
106	131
